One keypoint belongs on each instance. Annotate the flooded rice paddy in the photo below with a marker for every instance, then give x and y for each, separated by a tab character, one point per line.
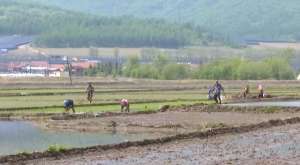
22	136
294	103
273	146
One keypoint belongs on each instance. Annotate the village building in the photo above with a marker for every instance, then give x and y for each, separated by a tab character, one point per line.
55	66
79	67
44	68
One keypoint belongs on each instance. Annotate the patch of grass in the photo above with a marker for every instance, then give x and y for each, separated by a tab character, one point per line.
269	110
57	100
215	125
106	108
24	153
205	126
56	148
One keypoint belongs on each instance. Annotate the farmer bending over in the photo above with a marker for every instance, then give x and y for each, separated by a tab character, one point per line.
90	92
246	91
260	91
218	88
69	104
124	105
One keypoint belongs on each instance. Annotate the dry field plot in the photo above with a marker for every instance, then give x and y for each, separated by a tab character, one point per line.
268	45
76	52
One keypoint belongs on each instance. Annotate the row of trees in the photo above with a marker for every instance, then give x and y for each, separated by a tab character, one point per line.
237	69
160	68
59	28
275	67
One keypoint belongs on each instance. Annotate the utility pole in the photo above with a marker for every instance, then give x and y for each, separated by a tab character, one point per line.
69	65
116	54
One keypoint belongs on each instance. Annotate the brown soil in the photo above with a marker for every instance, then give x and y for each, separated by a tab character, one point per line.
174	149
165	122
273	146
188	122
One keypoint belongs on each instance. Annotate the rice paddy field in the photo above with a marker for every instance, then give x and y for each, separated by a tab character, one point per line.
33	119
47	96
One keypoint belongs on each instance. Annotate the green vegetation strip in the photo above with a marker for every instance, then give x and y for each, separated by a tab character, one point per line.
70	92
65	92
107	107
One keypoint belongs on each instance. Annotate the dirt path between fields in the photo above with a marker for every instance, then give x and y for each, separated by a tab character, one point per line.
164	122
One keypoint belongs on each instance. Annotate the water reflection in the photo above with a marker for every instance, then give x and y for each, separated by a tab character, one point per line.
268	104
21	136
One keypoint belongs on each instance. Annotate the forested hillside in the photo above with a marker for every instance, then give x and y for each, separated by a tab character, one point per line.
54	27
234	19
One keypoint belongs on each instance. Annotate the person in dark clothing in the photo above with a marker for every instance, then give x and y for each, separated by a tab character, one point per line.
90	92
69	104
211	93
218	89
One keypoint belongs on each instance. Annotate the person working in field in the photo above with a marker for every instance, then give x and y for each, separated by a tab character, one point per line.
260	91
211	93
90	92
246	91
69	104
124	105
217	89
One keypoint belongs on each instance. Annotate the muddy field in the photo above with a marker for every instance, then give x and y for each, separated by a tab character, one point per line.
229	144
280	145
192	131
174	122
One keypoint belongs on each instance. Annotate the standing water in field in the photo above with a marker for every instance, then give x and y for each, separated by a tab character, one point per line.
268	104
21	136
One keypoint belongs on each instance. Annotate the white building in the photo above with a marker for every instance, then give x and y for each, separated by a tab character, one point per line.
298	78
54	72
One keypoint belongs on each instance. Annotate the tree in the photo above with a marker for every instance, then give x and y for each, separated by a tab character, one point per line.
148	71
160	61
175	72
280	68
131	65
251	70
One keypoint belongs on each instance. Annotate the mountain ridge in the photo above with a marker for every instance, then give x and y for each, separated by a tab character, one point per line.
235	19
56	27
